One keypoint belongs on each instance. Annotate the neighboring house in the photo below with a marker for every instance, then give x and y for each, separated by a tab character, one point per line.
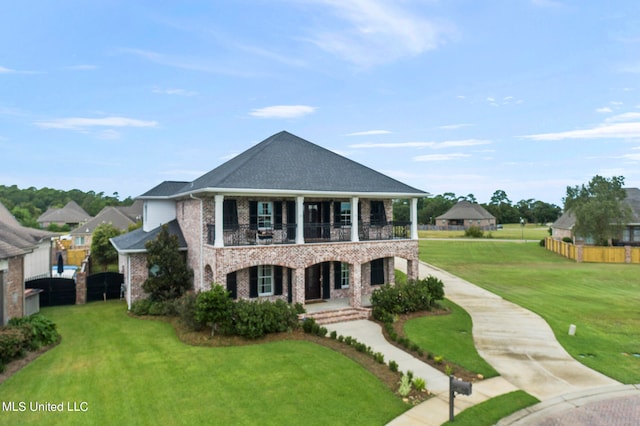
71	214
121	217
563	227
25	253
465	214
286	219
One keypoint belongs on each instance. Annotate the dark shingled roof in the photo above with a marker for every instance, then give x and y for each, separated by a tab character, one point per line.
165	189
289	163
135	241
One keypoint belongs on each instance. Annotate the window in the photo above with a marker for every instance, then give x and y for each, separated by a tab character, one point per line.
79	241
265	280
344	275
265	215
345	214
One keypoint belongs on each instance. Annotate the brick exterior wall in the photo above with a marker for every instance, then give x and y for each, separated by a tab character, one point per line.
14	288
212	264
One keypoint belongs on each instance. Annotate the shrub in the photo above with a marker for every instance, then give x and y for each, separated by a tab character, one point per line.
393	366
253	319
214	307
307	325
333	335
543	243
438	359
474	232
379	357
40	330
141	307
405	386
14	342
186	308
435	288
567	240
419	384
403	298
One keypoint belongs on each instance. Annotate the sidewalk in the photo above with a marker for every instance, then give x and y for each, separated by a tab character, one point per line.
522	348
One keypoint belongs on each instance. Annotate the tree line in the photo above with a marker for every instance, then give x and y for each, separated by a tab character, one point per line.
500	206
26	205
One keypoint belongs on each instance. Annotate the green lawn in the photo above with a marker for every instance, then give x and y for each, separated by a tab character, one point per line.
132	371
489	412
450	336
602	300
512	231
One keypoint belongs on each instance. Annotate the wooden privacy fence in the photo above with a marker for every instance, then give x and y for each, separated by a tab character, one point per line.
594	254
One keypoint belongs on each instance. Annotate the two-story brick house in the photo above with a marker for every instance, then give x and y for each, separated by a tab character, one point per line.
285	219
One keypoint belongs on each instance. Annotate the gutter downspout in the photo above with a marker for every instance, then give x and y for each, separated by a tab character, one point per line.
201	243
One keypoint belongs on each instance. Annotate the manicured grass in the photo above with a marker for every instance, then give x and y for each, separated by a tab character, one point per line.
450	336
512	231
489	412
132	371
600	299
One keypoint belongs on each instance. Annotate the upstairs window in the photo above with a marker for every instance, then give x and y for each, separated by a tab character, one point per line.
265	215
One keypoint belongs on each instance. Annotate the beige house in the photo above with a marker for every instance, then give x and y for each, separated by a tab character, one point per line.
464	215
71	214
286	219
119	216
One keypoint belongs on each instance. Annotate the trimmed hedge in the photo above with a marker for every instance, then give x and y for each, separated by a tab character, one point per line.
403	298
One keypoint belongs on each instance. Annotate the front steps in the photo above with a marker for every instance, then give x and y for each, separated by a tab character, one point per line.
338	315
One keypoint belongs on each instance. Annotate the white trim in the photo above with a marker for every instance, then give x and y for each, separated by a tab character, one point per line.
289	193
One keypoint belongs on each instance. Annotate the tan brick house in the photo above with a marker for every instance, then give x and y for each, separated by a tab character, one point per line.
286	219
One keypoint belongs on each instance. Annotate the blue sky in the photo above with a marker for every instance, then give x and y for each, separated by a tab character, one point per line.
463	96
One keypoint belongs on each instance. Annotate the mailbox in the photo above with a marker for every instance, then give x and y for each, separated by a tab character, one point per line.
461	387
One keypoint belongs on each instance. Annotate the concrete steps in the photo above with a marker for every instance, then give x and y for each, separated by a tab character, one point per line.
339	315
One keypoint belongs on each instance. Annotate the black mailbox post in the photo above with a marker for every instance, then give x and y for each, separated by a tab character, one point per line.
457	386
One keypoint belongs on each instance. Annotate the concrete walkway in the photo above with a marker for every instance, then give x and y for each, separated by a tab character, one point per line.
517	343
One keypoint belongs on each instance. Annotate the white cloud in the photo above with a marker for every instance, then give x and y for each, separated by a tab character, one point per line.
5	70
283	111
378	32
440	157
79	123
454	126
620	126
434	145
176	92
369	133
604	110
81	67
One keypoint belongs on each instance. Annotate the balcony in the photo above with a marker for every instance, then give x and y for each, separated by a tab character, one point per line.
245	235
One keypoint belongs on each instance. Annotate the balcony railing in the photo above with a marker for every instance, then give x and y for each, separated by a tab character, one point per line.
243	235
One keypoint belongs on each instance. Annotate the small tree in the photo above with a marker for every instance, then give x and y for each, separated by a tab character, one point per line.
599	208
214	307
169	275
102	252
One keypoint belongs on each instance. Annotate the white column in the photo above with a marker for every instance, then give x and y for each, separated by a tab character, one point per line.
218	240
414	218
354	220
299	220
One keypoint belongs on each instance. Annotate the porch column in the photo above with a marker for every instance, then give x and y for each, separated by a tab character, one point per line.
218	240
354	220
300	223
414	218
413	269
355	285
298	286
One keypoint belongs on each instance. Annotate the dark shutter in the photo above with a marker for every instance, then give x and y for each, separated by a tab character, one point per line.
253	215
277	212
253	281
378	215
326	219
337	275
289	285
230	215
326	280
377	272
291	220
277	276
232	285
337	217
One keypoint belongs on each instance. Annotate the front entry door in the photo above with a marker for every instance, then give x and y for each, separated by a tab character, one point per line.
312	282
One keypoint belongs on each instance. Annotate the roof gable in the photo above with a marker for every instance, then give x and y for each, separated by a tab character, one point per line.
70	213
135	241
289	163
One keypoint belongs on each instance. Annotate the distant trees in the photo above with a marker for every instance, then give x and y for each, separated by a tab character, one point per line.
599	209
26	205
531	210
